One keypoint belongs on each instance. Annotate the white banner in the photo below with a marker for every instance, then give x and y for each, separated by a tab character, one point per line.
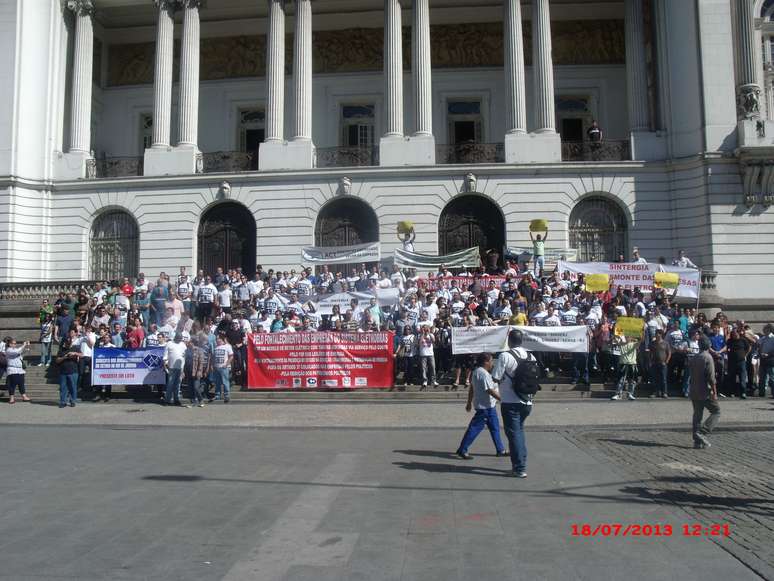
387	297
551	254
370	252
629	275
495	339
469	257
111	366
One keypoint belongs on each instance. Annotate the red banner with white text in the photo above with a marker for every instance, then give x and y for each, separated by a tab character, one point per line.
319	360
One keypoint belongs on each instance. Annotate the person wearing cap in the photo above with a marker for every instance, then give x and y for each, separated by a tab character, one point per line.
174	361
704	395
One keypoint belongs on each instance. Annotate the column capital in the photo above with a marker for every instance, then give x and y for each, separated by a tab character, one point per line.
192	3
167	5
81	7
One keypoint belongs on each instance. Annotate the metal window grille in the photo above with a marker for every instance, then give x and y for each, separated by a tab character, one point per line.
598	230
114	246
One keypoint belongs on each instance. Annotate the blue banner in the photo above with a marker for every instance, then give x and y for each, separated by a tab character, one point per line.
111	366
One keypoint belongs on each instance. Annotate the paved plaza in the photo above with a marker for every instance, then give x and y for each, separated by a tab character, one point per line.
211	500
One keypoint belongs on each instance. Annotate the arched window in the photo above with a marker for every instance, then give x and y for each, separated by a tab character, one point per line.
114	246
469	221
346	222
598	230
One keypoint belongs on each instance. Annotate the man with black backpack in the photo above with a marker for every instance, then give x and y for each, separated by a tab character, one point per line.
518	374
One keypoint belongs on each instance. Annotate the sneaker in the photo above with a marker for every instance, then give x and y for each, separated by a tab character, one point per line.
616	397
664	396
503	453
631	396
743	396
424	384
699	445
519	474
435	384
216	398
464	455
62	405
201	404
722	395
72	404
226	399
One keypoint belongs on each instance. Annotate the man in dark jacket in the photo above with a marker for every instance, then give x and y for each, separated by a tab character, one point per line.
704	395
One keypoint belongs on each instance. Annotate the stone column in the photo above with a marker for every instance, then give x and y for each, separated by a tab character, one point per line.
421	68
275	73
543	66
189	76
80	137
747	89
302	71
636	71
515	103
393	68
162	81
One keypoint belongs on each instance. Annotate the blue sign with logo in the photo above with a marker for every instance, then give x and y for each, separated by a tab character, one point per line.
111	366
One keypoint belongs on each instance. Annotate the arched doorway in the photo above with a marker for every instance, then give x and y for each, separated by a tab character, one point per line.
469	221
114	246
227	238
598	230
346	222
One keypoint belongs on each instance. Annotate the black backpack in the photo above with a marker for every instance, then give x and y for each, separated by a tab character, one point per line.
526	378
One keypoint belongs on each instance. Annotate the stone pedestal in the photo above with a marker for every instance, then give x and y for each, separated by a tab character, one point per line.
71	166
648	146
171	161
400	151
280	155
752	132
533	148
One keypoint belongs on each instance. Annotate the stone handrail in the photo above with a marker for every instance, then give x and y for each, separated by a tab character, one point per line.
347	156
708	280
596	151
19	291
470	153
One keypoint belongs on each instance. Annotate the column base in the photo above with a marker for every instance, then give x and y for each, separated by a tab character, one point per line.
413	150
72	166
533	148
171	161
297	154
752	132
648	146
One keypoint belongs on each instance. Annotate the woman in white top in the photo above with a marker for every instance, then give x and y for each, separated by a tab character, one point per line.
15	371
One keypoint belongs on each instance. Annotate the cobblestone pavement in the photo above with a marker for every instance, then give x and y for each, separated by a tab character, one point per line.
729	483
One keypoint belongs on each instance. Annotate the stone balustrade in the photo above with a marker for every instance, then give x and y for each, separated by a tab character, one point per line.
23	291
608	150
467	153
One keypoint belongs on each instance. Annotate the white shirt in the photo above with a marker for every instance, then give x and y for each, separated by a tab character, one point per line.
482	381
174	355
426	345
86	344
224	298
206	293
504	368
255	286
221	355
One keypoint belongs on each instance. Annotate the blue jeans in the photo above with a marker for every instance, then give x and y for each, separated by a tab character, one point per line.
659	377
514	415
540	264
767	378
686	378
580	367
45	353
480	419
68	388
738	368
159	307
222	382
196	390
172	393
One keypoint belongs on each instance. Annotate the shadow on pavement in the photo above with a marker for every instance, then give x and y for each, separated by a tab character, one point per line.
642	443
429	454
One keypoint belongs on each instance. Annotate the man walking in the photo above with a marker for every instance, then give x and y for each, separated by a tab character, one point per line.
484	395
516	404
174	361
703	394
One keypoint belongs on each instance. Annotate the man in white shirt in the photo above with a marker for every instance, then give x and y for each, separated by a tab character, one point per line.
636	258
515	407
683	261
205	297
174	361
224	298
255	286
397	278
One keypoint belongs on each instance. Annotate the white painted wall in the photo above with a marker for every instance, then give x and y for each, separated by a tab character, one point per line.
8	35
119	133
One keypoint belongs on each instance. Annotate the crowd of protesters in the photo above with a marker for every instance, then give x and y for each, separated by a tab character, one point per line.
202	322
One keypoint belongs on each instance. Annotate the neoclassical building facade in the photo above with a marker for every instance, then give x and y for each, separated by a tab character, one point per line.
144	135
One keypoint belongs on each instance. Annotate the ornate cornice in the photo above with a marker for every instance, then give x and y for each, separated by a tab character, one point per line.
192	3
81	7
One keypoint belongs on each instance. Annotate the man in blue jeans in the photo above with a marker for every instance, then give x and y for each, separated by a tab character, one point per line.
485	396
514	406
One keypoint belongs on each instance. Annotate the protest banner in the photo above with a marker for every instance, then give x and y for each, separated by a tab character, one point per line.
370	252
461	282
111	366
597	282
494	339
319	360
630	275
385	297
666	280
629	326
469	257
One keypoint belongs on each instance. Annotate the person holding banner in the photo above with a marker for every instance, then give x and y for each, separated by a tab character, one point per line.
539	250
627	366
484	395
